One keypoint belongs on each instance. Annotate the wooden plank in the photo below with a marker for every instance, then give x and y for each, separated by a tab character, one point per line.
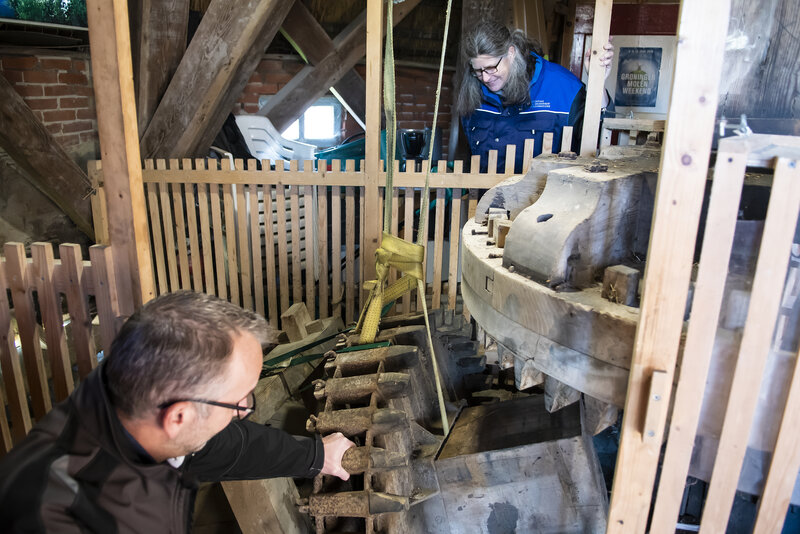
99	204
10	366
195	252
717	241
269	236
52	319
43	160
180	235
395	227
438	249
6	440
425	233
408	299
350	252
112	77
169	230
547	143
105	294
207	249
455	241
245	273
372	231
283	259
219	241
678	202
360	294
473	203
775	499
773	258
566	139
297	268
322	251
255	237
78	306
158	243
337	295
230	244
224	52
160	42
29	331
311	249
567	35
594	88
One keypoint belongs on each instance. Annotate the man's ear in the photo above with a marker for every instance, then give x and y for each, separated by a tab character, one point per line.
176	417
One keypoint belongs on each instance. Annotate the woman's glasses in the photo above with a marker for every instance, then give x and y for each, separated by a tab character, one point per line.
478	73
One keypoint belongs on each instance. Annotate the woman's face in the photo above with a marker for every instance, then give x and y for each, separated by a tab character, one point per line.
493	71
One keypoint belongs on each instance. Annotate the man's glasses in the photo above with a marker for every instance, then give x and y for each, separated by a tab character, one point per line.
478	73
242	411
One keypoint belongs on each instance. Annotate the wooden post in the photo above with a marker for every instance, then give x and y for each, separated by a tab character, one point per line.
681	183
119	147
372	229
594	89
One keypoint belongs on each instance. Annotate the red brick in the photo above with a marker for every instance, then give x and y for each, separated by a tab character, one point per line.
39	115
79	65
74	79
54	128
249	98
77	126
67	90
42	103
13	76
37	76
24	63
280	78
56	64
70	102
88	136
269	65
68	140
250	108
29	90
86	113
60	115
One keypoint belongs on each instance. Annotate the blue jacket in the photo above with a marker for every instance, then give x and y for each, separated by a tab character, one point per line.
557	99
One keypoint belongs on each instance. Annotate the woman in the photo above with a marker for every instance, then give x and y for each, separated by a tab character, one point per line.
510	93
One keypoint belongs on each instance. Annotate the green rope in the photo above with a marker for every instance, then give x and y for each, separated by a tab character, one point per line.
391	118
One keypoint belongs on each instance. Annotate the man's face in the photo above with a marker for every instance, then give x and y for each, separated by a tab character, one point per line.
241	377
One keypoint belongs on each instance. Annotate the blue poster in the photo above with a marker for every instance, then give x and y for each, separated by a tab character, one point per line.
637	77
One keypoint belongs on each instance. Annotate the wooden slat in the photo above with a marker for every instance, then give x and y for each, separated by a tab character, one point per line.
283	258
547	143
29	331
594	87
10	366
105	293
195	253
269	236
219	240
311	249
425	230
491	162
566	139
230	244
678	202
52	319
363	260
438	249
169	230
207	250
244	247
350	251
372	162
6	440
773	258
255	237
78	306
99	204
337	295
455	239
322	251
717	241
156	232
297	268
527	155
408	299
395	232
180	234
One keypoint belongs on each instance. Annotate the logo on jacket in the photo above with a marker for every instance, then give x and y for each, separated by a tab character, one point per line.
541	104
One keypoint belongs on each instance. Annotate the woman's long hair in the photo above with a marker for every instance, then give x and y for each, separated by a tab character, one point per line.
494	39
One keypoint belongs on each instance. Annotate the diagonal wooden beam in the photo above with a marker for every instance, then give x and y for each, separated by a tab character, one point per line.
44	162
311	83
220	59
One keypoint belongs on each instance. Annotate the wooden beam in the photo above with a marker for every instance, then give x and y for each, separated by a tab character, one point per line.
160	44
311	83
119	148
220	59
681	184
42	159
372	143
594	89
312	40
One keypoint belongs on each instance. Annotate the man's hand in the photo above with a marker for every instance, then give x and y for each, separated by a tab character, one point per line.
335	446
606	57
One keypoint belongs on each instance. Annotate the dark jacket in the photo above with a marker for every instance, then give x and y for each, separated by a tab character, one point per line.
556	99
79	471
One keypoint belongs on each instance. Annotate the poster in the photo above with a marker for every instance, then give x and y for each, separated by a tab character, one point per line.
637	77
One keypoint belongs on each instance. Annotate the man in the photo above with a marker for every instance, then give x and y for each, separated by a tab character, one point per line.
164	411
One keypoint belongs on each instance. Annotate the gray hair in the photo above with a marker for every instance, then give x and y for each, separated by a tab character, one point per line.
176	346
493	39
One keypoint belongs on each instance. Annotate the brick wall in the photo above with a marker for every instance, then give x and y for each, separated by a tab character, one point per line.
58	88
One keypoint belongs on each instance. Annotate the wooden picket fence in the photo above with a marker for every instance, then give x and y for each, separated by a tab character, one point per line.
59	314
269	238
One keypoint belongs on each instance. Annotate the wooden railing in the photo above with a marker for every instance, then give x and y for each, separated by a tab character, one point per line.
60	313
209	232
